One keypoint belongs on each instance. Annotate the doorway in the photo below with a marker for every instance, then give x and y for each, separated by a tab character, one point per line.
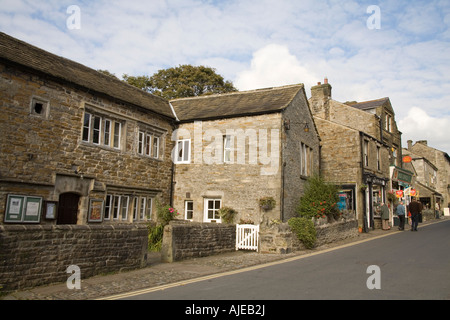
68	208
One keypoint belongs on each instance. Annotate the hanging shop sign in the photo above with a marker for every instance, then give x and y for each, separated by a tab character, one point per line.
399	193
407	159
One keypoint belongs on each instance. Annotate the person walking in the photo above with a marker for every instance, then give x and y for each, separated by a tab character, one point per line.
415	208
385	216
401	215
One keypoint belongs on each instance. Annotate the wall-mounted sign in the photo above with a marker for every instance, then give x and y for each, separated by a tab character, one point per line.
95	210
407	159
23	209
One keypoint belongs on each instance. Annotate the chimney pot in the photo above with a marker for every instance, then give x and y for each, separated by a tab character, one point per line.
319	83
325	80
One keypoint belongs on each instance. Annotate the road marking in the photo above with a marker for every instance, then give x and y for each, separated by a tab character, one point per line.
256	267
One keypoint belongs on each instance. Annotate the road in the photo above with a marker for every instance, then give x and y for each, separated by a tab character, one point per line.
408	265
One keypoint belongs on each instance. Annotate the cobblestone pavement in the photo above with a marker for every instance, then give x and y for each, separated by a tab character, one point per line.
158	273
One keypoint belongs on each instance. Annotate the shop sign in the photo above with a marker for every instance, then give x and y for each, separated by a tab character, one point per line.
407	159
399	193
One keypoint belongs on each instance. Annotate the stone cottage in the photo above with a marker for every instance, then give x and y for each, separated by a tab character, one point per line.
360	142
232	150
77	146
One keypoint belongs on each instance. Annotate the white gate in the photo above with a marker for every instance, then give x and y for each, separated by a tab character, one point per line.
247	236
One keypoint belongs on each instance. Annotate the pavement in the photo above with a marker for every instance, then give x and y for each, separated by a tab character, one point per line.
160	274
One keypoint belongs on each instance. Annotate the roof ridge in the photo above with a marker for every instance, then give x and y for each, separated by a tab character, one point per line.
206	96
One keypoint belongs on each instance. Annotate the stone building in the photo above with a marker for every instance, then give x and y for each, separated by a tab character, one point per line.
234	149
77	146
359	144
433	174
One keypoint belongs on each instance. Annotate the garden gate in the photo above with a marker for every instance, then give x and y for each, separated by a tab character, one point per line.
247	237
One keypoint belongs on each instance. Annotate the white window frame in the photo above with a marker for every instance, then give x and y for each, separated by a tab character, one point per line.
185	155
146	144
124	204
206	210
186	210
106	137
228	149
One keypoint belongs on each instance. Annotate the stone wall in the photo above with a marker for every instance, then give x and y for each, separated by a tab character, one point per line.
33	255
279	238
190	240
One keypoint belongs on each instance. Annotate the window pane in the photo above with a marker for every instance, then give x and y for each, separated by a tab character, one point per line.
107	135
86	126
179	151
186	151
116	207
140	142
124	207
135	208
107	207
117	128
96	131
142	209
148	139
155	147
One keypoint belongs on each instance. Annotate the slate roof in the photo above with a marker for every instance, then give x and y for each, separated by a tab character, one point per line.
62	69
370	104
236	104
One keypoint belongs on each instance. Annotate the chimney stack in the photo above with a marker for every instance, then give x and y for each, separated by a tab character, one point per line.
320	94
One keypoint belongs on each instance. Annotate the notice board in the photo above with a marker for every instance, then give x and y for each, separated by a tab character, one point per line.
23	209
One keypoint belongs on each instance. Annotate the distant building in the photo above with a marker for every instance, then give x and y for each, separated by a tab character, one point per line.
234	149
433	174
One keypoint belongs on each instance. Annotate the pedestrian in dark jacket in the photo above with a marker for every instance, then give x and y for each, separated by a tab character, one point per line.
415	208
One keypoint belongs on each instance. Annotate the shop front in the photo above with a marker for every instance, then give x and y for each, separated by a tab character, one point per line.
401	184
375	197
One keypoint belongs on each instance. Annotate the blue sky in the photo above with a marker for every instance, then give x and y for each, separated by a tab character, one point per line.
265	43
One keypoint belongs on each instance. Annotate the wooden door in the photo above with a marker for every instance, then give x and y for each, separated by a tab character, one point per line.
68	208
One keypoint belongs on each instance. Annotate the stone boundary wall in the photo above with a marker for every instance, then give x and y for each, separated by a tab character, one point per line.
185	240
33	255
280	239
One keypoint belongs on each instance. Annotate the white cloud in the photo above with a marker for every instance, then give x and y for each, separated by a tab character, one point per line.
274	66
419	125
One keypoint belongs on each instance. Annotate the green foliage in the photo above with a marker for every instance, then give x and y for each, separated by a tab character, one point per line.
155	232
165	213
305	231
155	236
181	82
319	199
227	214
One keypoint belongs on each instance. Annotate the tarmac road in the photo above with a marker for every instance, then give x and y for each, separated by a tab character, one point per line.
411	265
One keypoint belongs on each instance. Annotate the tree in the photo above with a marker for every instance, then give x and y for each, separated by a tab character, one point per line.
181	82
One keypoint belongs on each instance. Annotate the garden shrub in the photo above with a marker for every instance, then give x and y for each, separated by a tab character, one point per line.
156	232
319	199
305	231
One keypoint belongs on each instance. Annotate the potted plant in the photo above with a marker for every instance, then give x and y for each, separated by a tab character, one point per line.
267	203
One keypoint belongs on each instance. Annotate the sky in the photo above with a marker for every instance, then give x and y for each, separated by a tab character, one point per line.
367	49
